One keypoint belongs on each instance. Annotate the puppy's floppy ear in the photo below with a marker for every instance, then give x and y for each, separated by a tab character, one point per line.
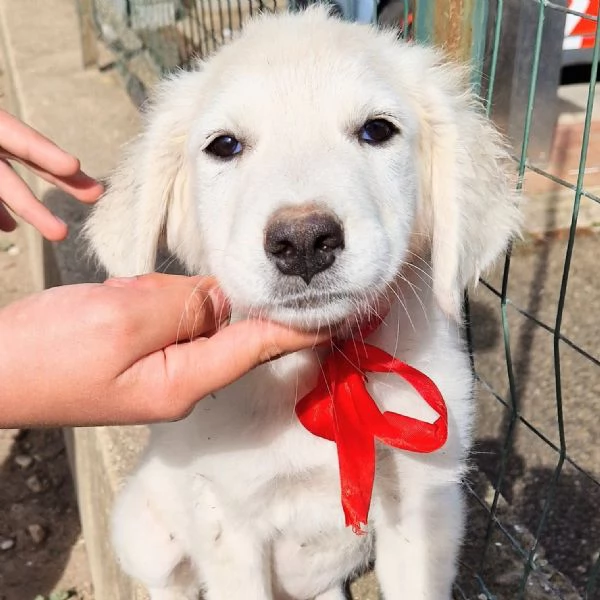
148	196
468	208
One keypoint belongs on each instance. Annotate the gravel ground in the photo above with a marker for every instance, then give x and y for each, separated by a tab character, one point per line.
42	554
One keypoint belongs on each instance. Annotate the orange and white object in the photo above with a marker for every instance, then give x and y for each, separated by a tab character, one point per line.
579	31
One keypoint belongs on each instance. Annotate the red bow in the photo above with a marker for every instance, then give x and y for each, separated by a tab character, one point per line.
341	410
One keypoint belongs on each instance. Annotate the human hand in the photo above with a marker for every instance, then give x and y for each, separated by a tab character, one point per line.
120	352
25	145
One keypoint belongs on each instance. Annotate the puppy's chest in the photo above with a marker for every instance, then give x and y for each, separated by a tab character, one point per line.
248	437
246	452
249	433
267	467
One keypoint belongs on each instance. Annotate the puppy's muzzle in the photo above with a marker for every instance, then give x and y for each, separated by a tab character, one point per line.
303	241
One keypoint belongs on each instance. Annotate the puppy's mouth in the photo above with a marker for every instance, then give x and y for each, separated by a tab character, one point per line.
337	311
310	302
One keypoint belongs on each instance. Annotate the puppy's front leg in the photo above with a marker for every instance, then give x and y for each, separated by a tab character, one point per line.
235	566
417	543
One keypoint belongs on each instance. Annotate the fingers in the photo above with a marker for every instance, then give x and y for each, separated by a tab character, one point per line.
168	309
81	186
174	373
24	143
7	223
203	366
154	281
17	195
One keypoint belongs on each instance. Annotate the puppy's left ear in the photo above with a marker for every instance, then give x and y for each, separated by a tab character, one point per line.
149	199
468	208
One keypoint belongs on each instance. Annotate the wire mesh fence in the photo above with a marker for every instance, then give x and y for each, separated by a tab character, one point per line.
567	479
174	31
534	516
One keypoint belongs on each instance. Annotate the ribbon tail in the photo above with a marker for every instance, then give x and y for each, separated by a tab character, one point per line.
340	409
356	456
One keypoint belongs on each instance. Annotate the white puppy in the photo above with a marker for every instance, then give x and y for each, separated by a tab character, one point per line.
316	168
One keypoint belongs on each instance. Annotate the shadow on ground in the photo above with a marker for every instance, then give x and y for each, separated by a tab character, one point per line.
38	513
539	495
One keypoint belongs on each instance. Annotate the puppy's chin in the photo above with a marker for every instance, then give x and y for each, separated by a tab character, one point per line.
342	317
310	317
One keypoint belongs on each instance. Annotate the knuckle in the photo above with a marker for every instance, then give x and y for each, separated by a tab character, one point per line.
111	314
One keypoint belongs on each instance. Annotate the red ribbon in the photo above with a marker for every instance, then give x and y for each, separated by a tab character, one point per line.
341	410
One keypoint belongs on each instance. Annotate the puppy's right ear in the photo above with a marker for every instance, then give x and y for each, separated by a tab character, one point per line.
468	208
148	196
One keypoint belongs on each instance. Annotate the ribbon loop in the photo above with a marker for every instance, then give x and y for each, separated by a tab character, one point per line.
341	410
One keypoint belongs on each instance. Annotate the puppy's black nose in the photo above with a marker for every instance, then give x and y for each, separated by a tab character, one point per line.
303	241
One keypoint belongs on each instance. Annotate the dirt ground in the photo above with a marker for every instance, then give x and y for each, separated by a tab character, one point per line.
42	554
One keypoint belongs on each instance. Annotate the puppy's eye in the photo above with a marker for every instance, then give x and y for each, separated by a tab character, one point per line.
377	131
224	146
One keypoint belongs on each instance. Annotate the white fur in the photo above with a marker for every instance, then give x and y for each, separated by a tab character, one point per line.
238	500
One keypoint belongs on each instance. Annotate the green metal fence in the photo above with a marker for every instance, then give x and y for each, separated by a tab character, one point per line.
512	400
534	491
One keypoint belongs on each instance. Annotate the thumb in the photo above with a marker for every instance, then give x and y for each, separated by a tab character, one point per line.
205	365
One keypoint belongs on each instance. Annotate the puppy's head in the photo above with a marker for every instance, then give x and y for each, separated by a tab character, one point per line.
303	165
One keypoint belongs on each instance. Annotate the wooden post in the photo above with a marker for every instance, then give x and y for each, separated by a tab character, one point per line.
89	46
458	26
461	28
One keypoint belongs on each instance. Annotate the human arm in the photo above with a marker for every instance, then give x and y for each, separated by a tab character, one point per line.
119	353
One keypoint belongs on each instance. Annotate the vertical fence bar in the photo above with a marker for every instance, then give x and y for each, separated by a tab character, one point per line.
479	18
494	55
514	400
517	20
